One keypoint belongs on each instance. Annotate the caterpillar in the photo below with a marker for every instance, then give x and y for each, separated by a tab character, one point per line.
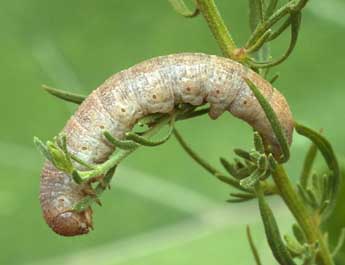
153	86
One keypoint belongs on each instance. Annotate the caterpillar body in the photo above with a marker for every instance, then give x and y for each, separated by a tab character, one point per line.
153	86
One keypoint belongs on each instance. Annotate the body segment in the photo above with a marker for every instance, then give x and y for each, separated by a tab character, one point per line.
153	86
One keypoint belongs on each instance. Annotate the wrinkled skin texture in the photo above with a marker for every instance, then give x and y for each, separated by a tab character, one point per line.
153	86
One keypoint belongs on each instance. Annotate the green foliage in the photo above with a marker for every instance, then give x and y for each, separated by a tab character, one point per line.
317	192
279	250
273	119
65	95
330	184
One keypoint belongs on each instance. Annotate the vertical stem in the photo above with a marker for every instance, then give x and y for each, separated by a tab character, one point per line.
216	24
308	222
308	164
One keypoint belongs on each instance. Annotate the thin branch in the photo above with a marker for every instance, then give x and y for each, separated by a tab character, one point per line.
253	247
205	164
217	26
308	164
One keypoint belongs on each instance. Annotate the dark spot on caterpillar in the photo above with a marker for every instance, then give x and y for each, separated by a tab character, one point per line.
101	126
245	102
84	148
154	96
61	202
217	91
123	110
188	89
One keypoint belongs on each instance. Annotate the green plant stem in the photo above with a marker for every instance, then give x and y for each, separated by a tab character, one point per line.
253	247
216	24
307	165
205	164
308	222
290	7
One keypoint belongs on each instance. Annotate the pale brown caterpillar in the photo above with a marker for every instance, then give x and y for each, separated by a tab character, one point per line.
153	86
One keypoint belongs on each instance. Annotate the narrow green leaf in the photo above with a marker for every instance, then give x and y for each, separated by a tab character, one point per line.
42	148
61	141
299	4
105	181
295	248
299	234
262	163
230	168
89	200
181	8
237	200
151	119
59	158
316	185
194	155
107	178
193	114
243	195
290	8
81	162
83	204
76	177
295	25
258	143
313	198
232	182
307	165
250	181
122	144
275	34
328	154
270	8
243	154
256	18
324	185
304	195
273	236
146	142
323	207
253	247
326	238
273	119
340	243
274	78
244	172
238	170
67	96
260	42
272	162
317	182
256	15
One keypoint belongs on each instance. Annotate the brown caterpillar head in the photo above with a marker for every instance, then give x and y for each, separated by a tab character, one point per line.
72	223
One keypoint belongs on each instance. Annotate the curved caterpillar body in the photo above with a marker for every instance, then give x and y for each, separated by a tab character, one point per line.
153	86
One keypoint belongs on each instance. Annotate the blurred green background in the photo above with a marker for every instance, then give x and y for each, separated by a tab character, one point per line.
163	209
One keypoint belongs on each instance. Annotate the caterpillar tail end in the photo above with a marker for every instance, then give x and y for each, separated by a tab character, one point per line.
72	223
58	195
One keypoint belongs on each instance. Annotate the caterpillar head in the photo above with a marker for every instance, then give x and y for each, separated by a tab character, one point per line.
71	223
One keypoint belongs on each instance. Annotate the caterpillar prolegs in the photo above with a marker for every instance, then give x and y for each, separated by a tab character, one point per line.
153	86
